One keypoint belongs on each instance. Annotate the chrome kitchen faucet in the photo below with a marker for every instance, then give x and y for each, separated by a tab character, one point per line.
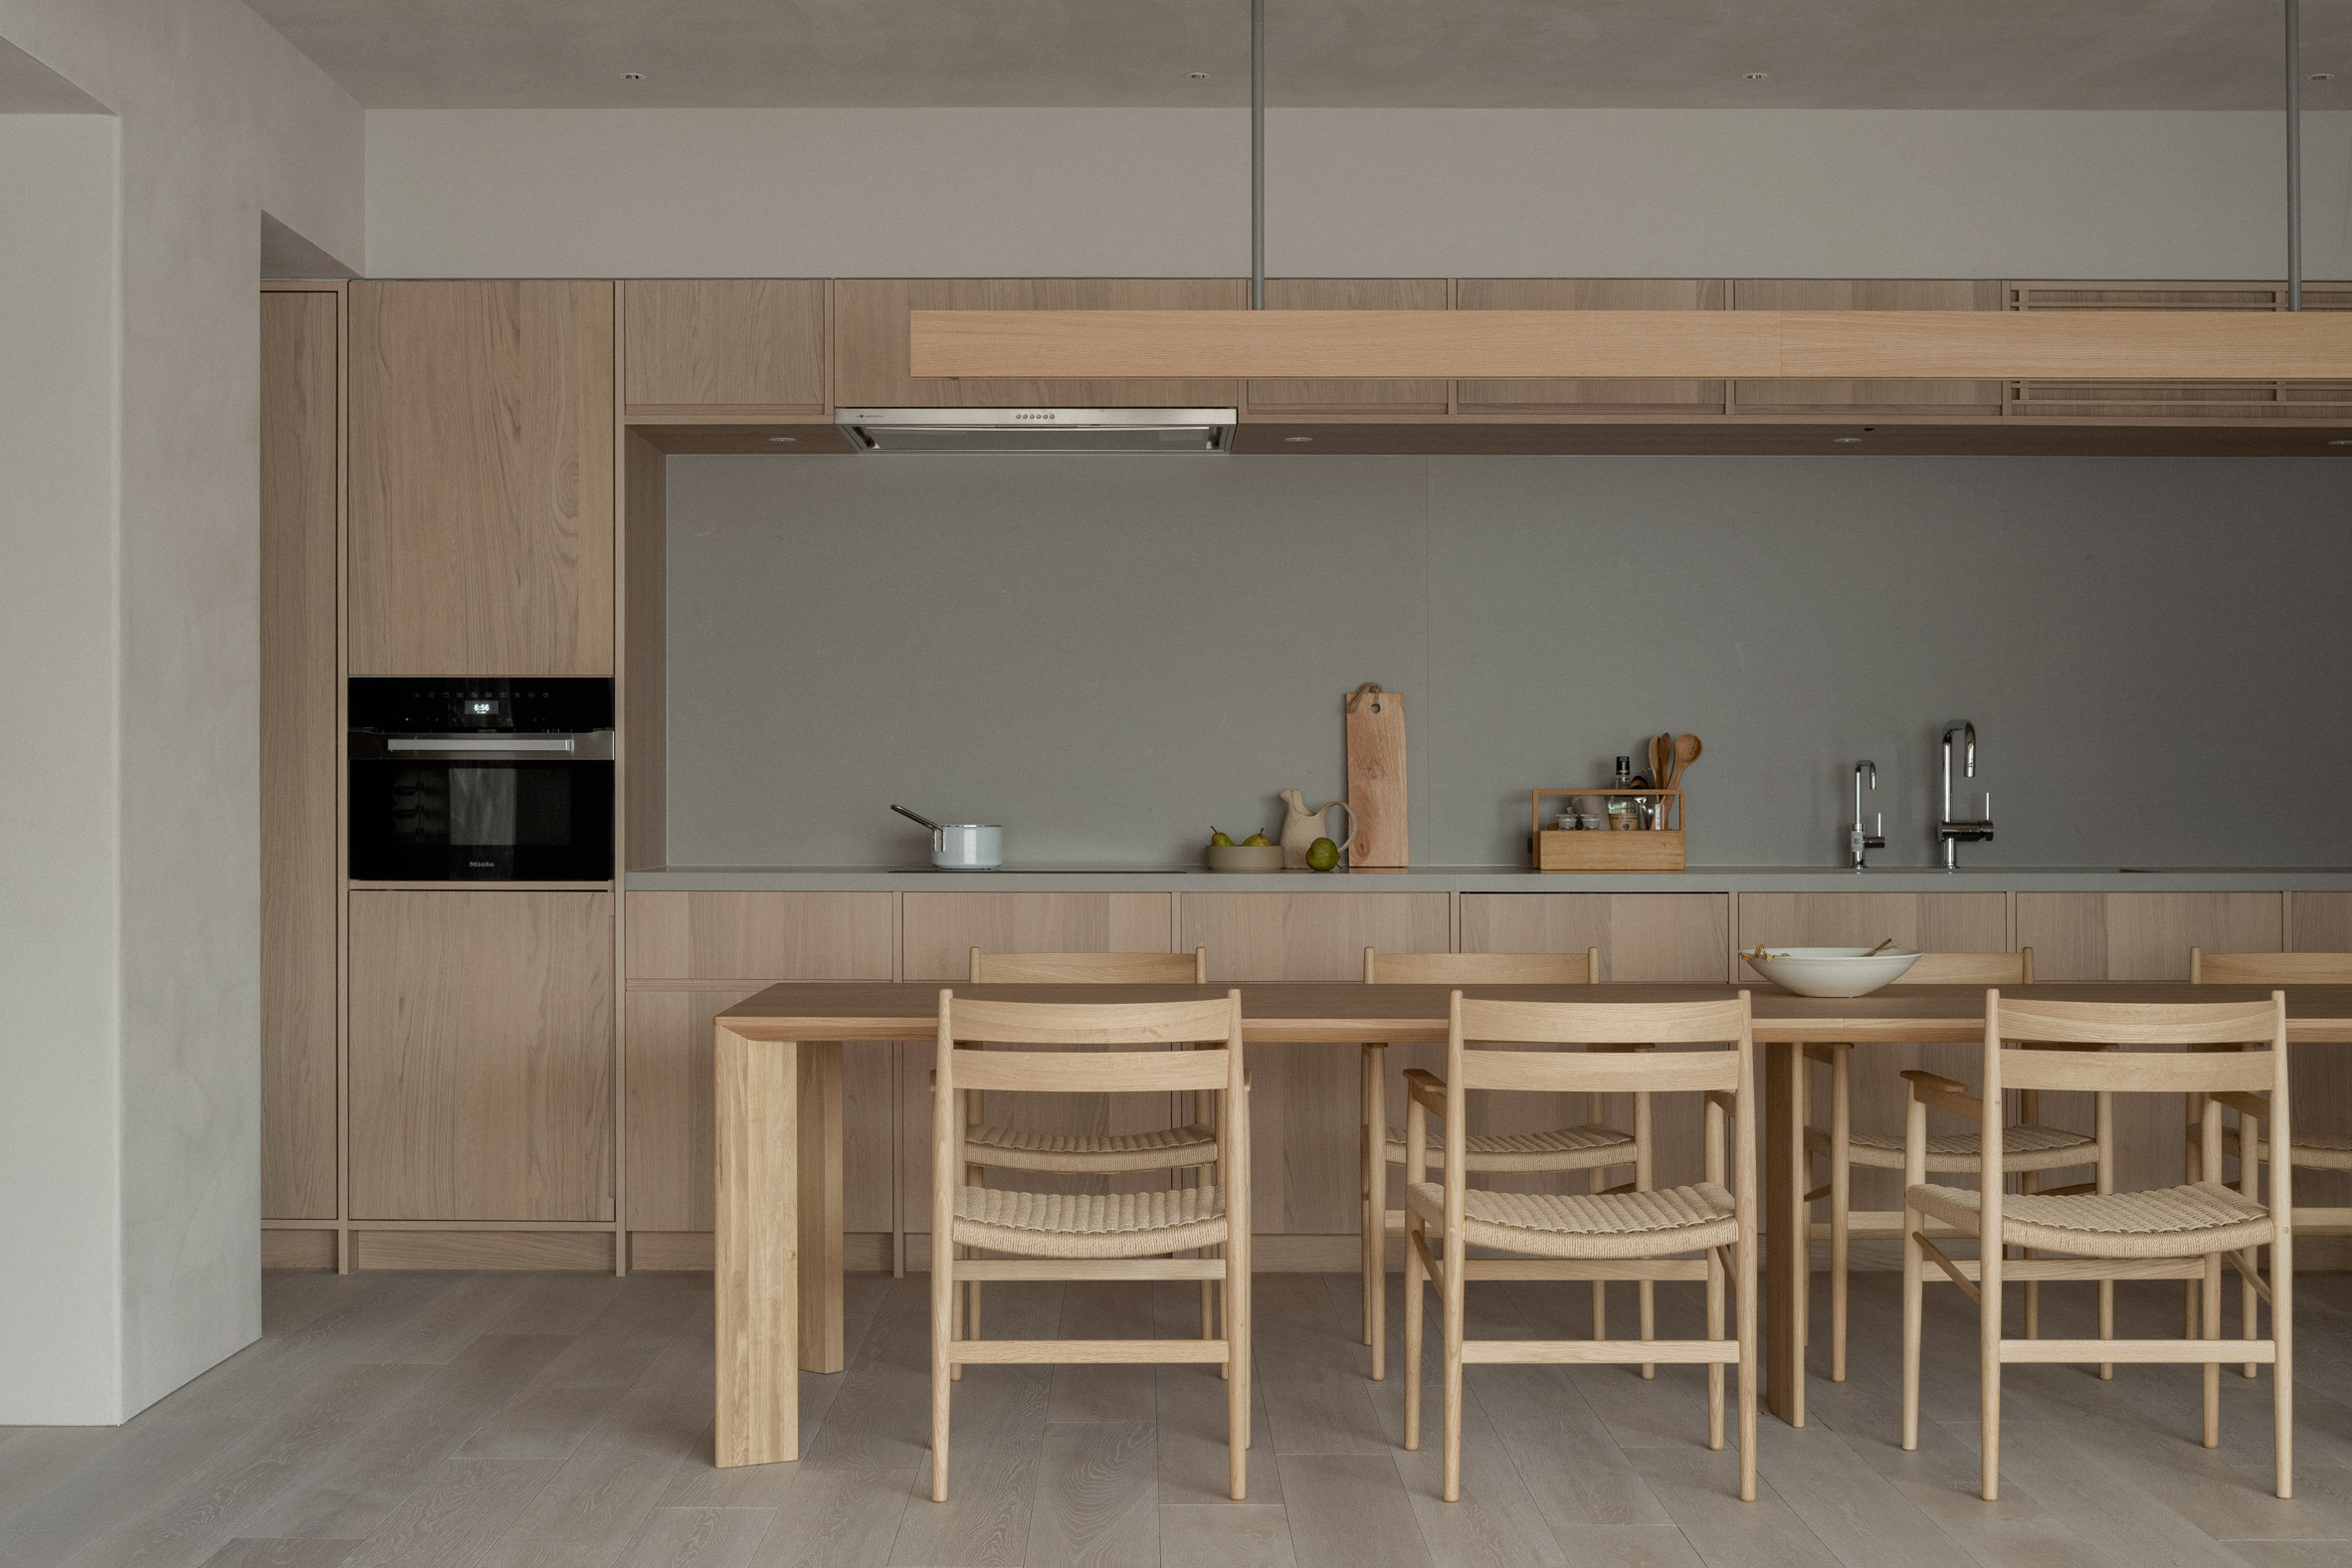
1861	841
1949	833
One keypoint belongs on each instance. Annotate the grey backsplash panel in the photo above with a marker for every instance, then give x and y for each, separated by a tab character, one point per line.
1108	655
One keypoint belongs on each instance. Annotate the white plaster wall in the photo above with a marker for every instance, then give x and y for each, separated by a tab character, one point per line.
59	1100
219	118
1352	192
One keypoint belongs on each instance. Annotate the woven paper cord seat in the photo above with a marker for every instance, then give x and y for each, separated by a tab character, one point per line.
2165	1222
1162	1149
1090	1224
1587	1224
1529	1151
2313	1150
2022	1149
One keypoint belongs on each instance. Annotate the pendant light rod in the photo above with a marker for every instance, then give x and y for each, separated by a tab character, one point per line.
2295	155
1258	153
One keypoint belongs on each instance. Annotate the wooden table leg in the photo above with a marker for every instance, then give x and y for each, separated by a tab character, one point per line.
820	1207
1787	1242
755	1106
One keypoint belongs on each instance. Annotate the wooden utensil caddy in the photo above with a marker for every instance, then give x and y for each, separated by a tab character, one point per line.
1658	849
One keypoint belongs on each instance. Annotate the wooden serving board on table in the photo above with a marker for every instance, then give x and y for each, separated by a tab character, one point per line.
1376	778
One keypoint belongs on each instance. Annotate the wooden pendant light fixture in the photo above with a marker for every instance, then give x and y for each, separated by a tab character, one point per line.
1674	345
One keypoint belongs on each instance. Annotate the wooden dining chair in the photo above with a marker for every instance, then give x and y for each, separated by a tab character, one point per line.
1586	1236
2311	1150
2029	1149
1593	1145
1091	1236
1190	1143
2171	1233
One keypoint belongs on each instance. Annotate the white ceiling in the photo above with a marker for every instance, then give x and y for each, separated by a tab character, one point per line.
1668	53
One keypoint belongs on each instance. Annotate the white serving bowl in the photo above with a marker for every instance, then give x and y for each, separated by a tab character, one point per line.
1831	971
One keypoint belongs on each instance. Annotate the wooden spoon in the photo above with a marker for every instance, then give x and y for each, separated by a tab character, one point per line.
1881	947
1687	751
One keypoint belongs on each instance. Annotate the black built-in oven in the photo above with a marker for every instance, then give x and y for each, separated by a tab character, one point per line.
464	779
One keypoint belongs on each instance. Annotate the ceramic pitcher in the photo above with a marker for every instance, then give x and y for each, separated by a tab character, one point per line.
1302	825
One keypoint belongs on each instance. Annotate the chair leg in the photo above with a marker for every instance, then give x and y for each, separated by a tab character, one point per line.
1599	1180
1715	1273
946	1306
2282	1370
2031	1182
1988	1354
1413	1280
1803	1161
1747	1284
1841	1253
1371	1135
1376	1216
1914	1259
1454	1253
1237	1391
2108	1324
2212	1370
1648	1322
2192	1171
2250	1311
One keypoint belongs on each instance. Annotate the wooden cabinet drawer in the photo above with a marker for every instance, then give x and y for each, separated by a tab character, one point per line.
761	936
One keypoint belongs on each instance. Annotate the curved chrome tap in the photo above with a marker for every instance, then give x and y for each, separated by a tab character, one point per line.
1948	831
1861	841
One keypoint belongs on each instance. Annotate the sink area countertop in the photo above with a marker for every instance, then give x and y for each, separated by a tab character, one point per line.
1498	879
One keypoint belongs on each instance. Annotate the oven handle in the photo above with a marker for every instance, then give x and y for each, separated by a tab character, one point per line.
594	745
479	743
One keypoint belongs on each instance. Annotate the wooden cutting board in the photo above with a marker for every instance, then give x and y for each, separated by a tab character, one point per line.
1376	777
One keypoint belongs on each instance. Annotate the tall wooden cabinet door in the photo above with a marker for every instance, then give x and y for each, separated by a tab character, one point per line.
481	1056
301	877
870	325
722	344
1303	1100
481	478
1353	397
1865	397
1590	396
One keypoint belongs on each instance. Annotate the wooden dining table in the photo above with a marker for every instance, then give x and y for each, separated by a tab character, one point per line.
778	1135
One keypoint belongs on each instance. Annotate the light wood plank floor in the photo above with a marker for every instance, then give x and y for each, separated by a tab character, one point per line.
499	1419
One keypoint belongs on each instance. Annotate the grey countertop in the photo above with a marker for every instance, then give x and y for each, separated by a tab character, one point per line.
1497	878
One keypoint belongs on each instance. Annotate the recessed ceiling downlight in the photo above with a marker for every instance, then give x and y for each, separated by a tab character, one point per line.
632	76
1198	76
1847	441
787	440
1759	76
2324	75
2342	443
1298	439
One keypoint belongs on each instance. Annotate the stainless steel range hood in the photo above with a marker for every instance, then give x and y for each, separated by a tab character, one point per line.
1037	429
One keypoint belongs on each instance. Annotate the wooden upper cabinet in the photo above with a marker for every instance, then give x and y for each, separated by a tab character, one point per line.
1353	397
480	504
300	739
870	368
2317	401
727	344
1590	396
1865	397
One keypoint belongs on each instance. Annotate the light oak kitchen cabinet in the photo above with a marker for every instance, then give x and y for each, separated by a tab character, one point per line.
482	489
300	739
481	1056
726	345
869	317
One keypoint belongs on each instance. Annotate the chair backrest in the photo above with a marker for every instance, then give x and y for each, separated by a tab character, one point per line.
1725	1076
2269	968
1483	968
1971	969
2260	1067
1091	968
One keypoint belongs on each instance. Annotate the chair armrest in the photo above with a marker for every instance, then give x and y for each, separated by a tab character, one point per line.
2254	1105
1930	1088
1427	1087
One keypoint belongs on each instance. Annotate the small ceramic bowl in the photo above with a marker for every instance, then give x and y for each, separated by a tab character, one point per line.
1244	857
1831	971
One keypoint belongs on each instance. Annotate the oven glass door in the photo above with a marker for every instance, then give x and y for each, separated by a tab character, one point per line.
418	819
